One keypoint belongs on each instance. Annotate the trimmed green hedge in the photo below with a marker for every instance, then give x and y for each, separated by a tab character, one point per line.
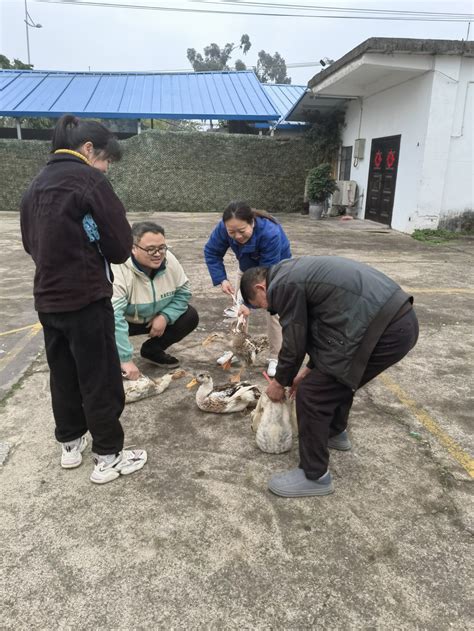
182	171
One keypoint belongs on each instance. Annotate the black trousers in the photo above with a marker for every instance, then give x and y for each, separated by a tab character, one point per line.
323	404
173	332
85	377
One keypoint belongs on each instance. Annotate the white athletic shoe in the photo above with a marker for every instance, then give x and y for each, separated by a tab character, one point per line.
272	367
223	359
71	456
127	461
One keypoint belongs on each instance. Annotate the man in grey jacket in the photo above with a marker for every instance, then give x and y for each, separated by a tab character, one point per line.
353	322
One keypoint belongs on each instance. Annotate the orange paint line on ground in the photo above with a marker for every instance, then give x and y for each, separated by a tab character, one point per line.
431	425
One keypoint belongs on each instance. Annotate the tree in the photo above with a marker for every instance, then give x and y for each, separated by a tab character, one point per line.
216	58
16	64
271	68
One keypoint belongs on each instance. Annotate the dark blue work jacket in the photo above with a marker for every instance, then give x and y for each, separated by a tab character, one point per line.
267	246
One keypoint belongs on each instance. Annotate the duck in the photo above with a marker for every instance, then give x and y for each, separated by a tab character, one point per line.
274	424
226	398
144	386
242	345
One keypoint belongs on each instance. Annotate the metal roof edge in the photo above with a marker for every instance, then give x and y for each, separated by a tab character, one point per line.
112	115
283	85
124	72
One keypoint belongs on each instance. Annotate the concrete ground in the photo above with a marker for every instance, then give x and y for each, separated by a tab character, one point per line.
195	540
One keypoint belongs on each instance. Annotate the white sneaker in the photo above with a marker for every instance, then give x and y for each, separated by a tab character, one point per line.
223	359
71	456
126	462
272	367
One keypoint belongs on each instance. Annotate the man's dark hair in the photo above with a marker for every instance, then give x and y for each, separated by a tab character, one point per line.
140	227
248	281
71	132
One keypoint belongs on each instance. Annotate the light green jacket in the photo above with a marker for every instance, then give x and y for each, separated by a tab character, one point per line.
137	298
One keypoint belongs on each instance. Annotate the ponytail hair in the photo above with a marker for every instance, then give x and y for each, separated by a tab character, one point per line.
243	212
72	132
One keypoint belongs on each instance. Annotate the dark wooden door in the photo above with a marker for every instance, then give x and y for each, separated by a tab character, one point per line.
384	157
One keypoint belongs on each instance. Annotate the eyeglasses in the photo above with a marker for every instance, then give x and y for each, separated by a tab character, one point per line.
162	249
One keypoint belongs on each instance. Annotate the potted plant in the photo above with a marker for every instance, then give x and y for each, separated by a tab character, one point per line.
320	186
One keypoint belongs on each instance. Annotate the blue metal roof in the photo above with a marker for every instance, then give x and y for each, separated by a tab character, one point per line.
283	97
193	95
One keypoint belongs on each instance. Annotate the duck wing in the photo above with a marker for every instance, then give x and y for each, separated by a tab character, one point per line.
231	391
244	388
230	386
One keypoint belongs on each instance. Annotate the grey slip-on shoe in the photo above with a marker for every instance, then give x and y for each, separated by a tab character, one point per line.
340	441
294	483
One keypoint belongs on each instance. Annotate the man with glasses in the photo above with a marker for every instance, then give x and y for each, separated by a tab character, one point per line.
151	297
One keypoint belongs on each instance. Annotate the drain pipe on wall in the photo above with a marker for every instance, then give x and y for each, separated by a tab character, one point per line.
458	130
361	104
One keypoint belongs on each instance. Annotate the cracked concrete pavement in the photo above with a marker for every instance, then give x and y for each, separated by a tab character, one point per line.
195	540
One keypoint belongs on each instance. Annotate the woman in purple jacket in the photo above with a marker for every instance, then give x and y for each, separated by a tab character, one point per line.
256	239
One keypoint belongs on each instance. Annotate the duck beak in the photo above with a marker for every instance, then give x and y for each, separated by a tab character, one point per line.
191	384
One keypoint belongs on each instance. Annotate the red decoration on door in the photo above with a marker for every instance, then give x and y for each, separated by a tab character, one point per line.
378	159
390	159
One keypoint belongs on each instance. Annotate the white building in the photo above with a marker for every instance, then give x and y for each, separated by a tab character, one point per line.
408	140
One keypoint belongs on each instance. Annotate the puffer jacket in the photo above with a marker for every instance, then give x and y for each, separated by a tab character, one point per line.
72	271
139	298
267	246
335	310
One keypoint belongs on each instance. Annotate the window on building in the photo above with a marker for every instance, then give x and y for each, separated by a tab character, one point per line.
345	164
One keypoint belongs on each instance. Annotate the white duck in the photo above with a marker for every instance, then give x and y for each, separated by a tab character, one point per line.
224	399
144	386
274	424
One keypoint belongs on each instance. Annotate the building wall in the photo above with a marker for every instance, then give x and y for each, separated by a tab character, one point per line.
458	192
402	110
433	115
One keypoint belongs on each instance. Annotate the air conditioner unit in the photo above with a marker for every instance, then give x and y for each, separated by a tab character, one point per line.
347	193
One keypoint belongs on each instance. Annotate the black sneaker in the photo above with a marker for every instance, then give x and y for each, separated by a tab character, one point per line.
160	358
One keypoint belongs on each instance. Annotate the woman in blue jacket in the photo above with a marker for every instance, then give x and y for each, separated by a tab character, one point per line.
256	239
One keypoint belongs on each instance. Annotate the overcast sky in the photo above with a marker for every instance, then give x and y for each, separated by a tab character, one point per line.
96	38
